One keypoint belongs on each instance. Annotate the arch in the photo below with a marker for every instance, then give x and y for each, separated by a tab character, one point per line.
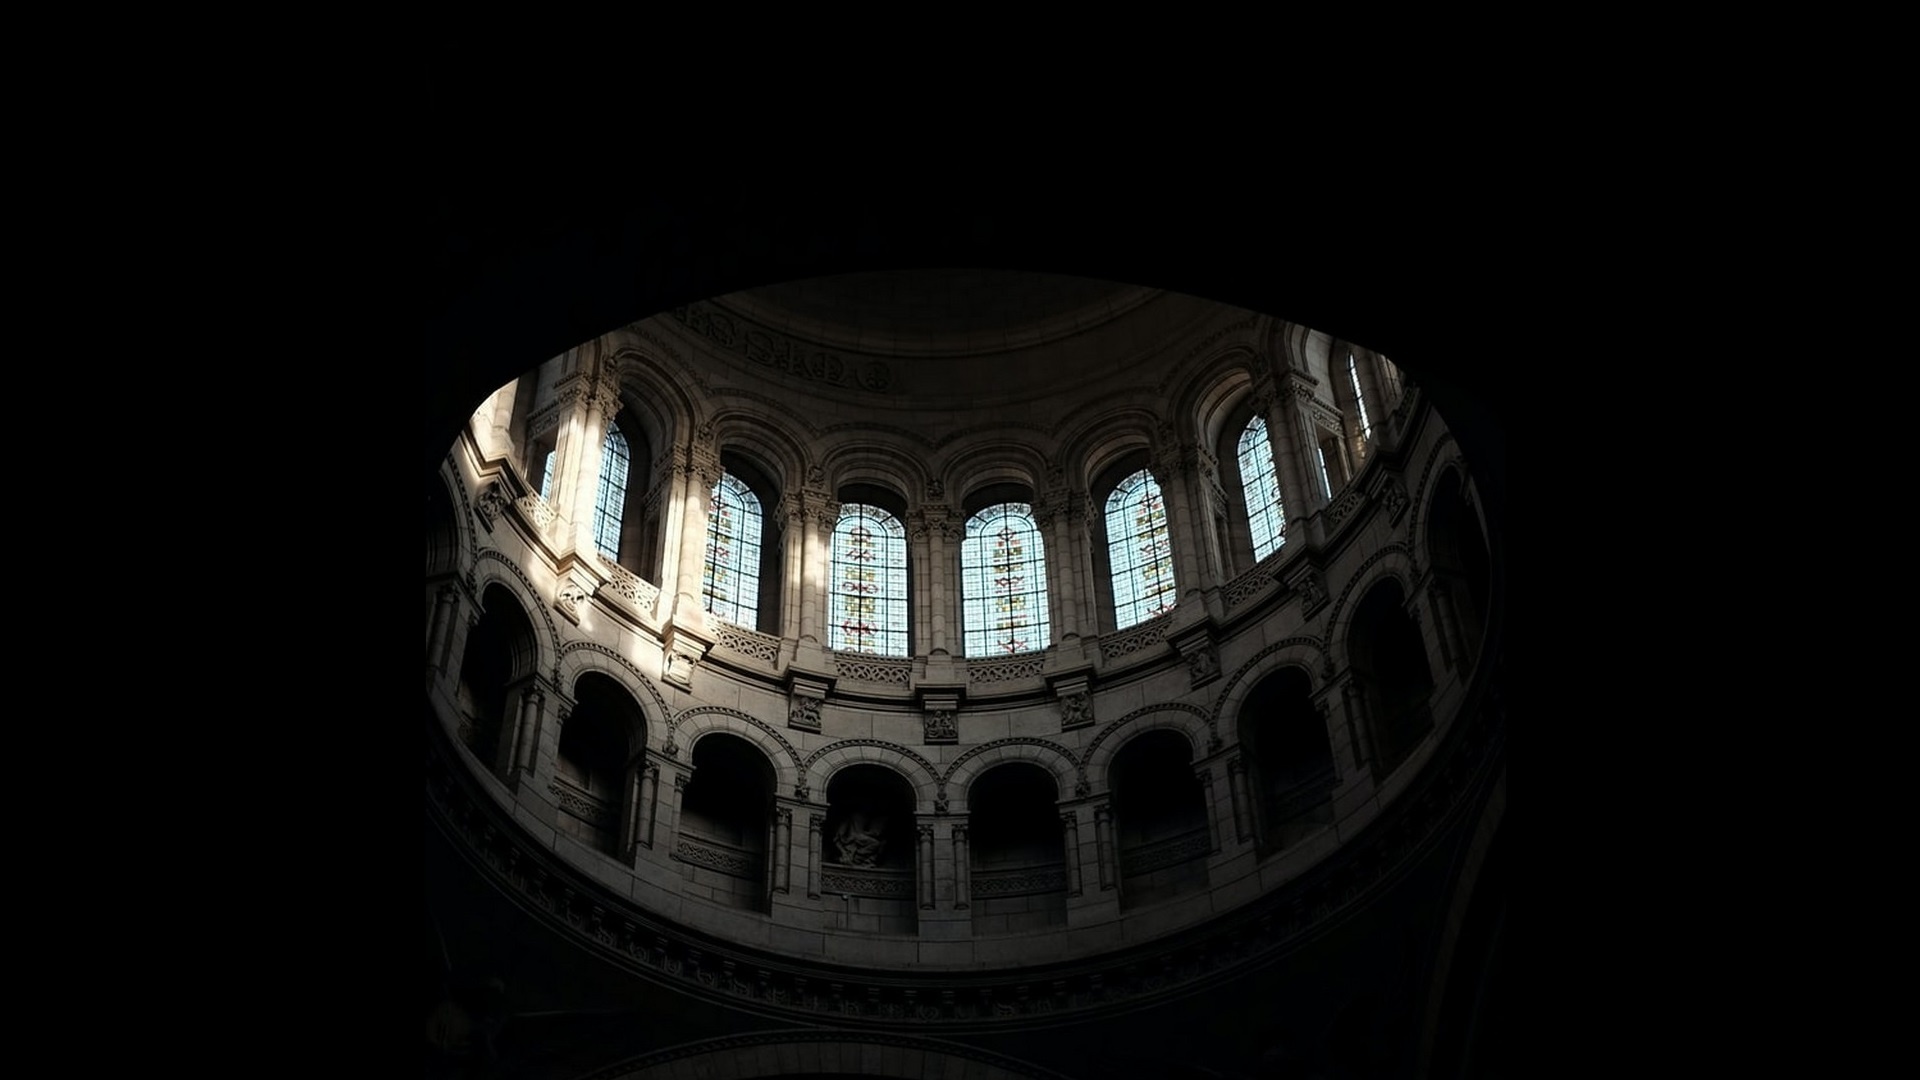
492	567
1016	880
448	542
725	831
592	757
992	456
1051	756
820	766
1387	655
1459	565
704	719
1004	603
1133	553
1391	561
498	658
1190	720
1097	442
577	658
1219	385
868	582
881	463
1288	760
1305	653
1161	825
765	439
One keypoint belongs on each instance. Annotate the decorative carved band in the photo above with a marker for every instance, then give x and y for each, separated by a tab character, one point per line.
1247	585
874	669
582	805
1132	640
718	857
629	586
1348	504
746	642
886	884
535	509
788	355
1164	853
1020	881
1019	667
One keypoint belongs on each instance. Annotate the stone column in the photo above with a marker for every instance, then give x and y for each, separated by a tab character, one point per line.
1354	700
1205	773
962	869
1070	830
942	593
926	867
1103	845
1446	626
672	830
446	608
1290	427
782	840
1063	592
814	824
822	515
697	469
1176	490
1237	790
646	795
526	731
792	515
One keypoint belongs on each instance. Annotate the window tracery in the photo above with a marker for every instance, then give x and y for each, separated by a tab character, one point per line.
610	501
1139	550
1266	516
731	583
868	596
1003	583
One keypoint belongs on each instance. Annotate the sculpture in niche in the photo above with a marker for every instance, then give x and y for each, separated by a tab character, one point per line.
860	838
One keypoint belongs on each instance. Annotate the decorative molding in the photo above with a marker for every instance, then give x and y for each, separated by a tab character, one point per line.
638	593
751	643
953	767
1226	692
866	881
1351	501
1203	666
1019	881
1006	670
536	608
874	669
493	502
1394	495
674	725
720	858
932	774
1247	585
536	510
791	356
1086	755
639	678
1312	589
568	598
1359	574
1164	853
583	805
1135	638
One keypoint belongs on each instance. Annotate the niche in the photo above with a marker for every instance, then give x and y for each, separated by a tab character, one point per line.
1017	860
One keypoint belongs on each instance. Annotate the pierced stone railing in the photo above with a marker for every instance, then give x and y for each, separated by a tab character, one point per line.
716	856
1020	881
587	807
638	593
747	642
1006	670
1348	504
535	509
1164	853
866	881
1305	796
874	669
1133	639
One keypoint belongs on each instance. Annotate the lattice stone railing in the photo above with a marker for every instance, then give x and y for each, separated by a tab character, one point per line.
627	585
536	510
1149	633
1163	853
1347	505
874	669
1005	670
1247	586
1020	881
747	642
1305	796
716	856
588	808
866	881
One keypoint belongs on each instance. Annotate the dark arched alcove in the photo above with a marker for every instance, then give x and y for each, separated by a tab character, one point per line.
590	771
1160	816
726	820
498	659
1290	760
1390	668
1018	876
1461	573
868	851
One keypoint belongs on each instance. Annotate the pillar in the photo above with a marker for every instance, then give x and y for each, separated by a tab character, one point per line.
1103	845
697	470
815	565
526	731
782	839
1205	773
814	824
962	869
925	875
1237	791
446	608
647	794
1070	831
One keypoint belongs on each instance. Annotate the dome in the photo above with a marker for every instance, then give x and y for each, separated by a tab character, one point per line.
953	654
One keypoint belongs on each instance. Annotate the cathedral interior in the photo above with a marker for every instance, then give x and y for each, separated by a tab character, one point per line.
866	639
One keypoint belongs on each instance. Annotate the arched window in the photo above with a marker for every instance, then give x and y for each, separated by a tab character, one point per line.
1266	518
1003	583
1139	551
1359	399
867	609
732	582
610	501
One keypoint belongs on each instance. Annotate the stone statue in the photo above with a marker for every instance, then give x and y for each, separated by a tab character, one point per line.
859	838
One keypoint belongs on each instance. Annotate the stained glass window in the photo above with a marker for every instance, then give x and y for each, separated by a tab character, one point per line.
1003	583
546	475
611	500
867	610
1265	516
1140	550
1353	373
732	585
1325	480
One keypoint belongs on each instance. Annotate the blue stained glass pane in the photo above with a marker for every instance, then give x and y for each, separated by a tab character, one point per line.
867	597
1266	518
610	501
731	584
1003	583
1139	550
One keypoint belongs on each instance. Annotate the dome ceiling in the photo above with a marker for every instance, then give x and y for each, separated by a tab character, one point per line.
953	339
